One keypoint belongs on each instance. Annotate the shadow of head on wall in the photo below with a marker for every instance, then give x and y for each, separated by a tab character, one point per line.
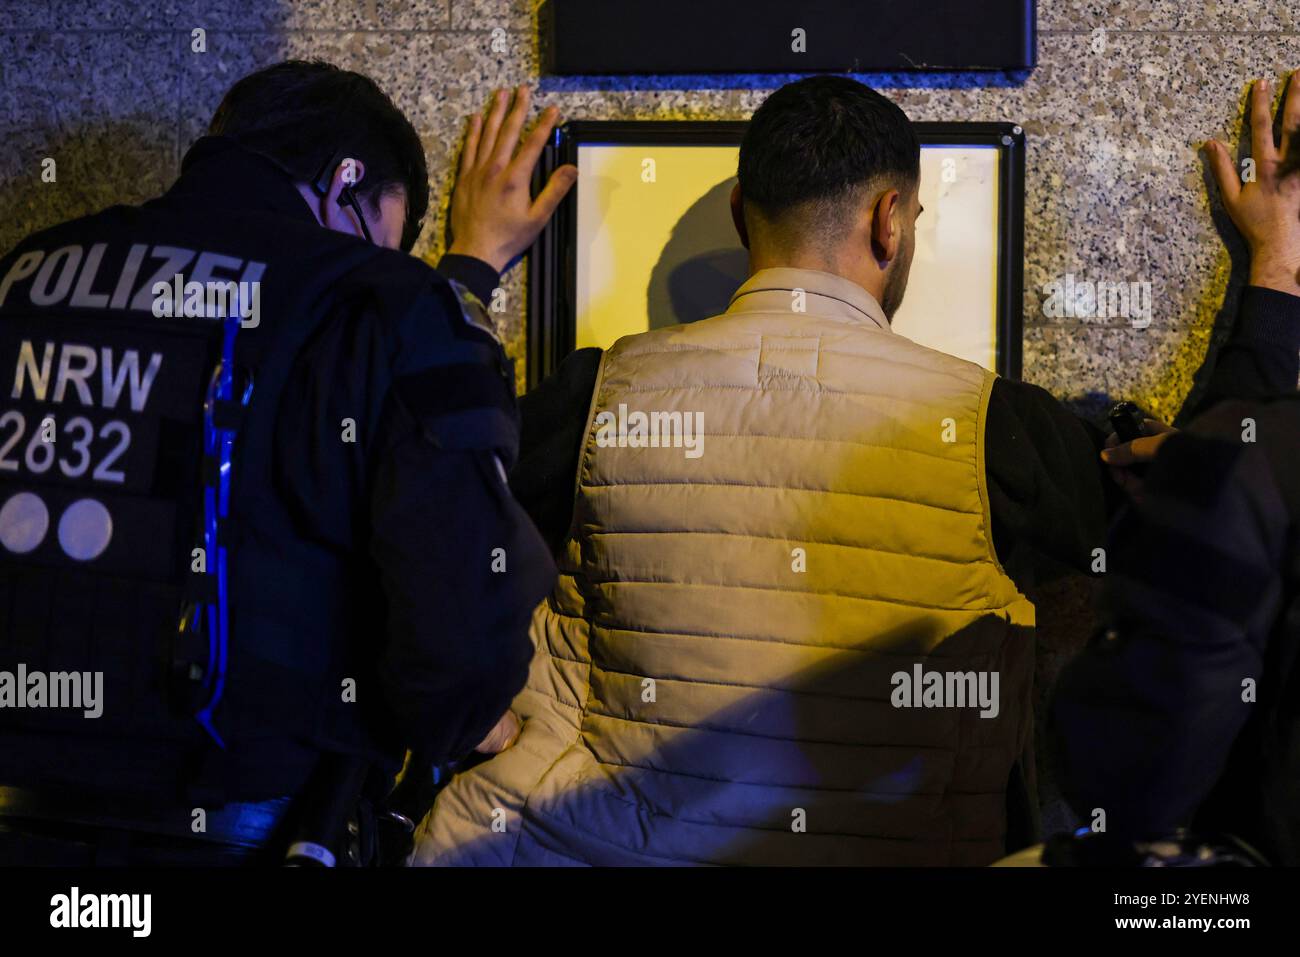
48	179
701	265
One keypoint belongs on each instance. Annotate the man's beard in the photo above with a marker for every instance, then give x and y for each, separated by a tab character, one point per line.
891	297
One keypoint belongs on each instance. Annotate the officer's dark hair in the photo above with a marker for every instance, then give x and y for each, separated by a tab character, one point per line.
301	113
816	144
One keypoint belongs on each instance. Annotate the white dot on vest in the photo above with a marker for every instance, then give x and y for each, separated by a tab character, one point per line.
85	529
24	520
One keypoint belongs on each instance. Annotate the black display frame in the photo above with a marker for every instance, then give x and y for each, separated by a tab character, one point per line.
552	263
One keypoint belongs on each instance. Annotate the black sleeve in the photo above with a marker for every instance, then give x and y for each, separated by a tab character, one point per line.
460	564
553	418
1145	718
1049	494
474	274
1262	355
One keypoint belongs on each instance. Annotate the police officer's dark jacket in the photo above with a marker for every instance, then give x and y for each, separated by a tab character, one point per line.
381	577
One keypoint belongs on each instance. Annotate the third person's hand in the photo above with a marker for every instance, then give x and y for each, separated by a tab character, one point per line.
1265	210
1121	457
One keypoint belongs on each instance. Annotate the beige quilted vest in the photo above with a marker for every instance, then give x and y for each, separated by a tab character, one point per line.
717	677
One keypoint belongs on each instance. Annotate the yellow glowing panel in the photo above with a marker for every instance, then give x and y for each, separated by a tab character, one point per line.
656	245
952	294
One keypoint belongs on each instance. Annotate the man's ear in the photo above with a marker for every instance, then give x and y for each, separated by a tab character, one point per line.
886	231
738	215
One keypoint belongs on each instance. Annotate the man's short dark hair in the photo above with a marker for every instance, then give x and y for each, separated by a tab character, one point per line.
300	114
821	141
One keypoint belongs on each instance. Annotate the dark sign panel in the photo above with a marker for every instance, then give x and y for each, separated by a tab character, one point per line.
780	36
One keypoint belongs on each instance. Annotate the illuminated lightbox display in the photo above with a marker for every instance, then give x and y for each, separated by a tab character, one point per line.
645	239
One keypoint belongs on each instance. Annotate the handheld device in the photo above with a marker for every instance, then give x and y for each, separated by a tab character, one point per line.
1128	421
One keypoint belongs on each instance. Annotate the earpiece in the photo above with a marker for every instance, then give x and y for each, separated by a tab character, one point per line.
347	198
321	184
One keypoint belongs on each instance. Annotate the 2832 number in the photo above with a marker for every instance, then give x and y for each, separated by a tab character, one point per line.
71	448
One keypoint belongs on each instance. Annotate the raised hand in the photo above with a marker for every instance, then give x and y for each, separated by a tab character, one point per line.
1266	211
493	216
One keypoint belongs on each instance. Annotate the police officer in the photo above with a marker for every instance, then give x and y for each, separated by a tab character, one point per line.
253	511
